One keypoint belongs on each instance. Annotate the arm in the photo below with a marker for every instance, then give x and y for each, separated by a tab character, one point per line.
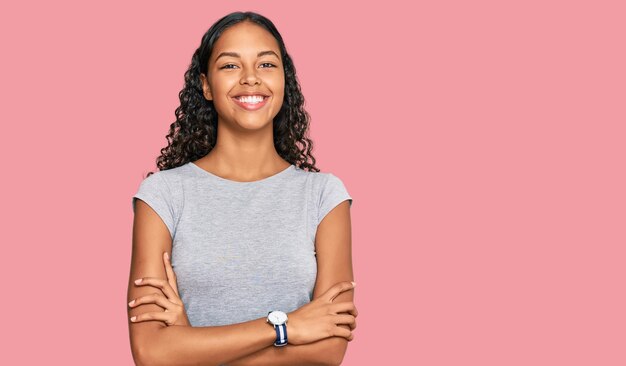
155	343
312	354
334	264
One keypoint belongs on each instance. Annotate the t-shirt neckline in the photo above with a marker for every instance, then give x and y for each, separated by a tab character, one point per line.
234	182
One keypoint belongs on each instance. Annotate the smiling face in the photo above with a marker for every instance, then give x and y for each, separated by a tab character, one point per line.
245	60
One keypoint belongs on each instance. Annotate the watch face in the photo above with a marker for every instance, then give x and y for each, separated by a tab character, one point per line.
277	317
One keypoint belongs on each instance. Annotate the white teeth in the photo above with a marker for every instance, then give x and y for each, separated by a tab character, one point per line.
251	99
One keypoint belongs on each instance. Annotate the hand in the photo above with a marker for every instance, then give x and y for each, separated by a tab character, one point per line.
174	313
320	318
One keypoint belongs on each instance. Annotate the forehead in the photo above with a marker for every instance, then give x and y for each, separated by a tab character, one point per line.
245	38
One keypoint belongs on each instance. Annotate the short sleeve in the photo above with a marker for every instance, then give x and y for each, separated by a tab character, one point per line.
154	191
333	193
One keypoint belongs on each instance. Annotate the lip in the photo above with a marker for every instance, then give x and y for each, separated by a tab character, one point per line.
251	107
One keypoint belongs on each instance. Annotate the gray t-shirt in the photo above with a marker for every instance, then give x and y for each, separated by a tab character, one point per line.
242	249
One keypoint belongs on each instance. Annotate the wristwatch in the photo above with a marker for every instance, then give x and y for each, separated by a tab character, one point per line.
278	319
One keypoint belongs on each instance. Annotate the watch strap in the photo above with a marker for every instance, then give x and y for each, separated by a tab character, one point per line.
281	335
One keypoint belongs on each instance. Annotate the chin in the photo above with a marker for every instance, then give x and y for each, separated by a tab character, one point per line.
254	125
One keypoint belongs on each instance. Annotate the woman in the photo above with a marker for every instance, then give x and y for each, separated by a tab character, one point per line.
260	240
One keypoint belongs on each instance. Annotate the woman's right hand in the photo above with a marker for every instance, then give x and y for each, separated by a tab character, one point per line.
319	318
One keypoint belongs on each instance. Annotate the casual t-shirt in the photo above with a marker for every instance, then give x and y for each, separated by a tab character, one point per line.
242	249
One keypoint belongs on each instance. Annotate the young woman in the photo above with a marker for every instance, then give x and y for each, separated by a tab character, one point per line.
260	239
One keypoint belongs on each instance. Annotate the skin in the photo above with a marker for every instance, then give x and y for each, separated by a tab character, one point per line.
244	152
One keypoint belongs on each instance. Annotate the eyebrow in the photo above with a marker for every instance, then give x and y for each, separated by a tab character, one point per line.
235	54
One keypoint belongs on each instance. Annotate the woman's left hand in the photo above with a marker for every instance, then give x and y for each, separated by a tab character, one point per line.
168	298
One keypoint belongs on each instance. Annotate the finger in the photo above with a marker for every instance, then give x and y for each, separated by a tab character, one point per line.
161	284
345	319
168	318
338	288
343	307
342	332
169	271
156	298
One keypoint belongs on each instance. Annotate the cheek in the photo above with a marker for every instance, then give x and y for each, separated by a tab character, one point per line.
221	87
280	98
281	88
221	103
278	86
220	84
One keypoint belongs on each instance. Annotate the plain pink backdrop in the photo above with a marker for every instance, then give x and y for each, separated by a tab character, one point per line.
483	143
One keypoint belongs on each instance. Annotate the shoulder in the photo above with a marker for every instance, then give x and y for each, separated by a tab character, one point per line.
330	184
168	180
164	185
327	191
176	175
321	180
163	192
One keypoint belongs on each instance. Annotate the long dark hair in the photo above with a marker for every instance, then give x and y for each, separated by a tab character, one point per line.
194	133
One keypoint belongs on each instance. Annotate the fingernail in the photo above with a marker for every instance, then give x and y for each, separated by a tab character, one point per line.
131	303
353	284
167	256
138	281
133	318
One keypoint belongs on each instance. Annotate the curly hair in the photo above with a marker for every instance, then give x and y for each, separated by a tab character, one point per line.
194	133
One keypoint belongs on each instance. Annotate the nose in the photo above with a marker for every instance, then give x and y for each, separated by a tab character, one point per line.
250	78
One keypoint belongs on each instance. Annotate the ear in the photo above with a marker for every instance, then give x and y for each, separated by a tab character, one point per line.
205	87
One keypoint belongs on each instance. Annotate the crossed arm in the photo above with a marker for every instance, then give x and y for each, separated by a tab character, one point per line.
153	342
323	352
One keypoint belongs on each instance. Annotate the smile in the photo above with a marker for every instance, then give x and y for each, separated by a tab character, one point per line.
251	102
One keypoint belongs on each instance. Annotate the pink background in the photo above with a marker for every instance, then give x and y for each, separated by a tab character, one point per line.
483	143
